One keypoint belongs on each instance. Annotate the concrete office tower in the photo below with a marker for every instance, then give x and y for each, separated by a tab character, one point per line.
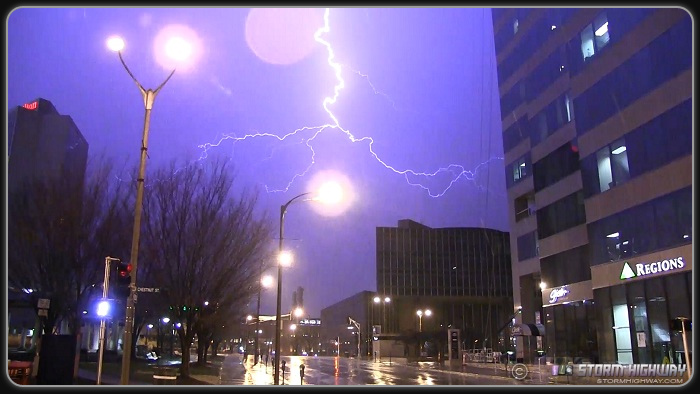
45	145
596	107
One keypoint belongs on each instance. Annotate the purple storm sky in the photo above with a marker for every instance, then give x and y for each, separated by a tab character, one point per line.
418	83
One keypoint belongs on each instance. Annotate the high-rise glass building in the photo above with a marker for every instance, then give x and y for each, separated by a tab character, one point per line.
462	275
596	107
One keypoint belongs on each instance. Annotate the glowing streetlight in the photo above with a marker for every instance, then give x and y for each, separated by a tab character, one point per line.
420	314
328	193
298	312
177	50
266	281
386	300
286	258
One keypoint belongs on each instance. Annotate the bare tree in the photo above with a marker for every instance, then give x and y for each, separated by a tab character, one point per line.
204	243
59	233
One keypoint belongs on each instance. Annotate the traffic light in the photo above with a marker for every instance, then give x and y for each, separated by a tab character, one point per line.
123	280
124	273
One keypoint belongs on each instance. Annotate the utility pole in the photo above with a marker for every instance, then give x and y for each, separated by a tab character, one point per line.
105	295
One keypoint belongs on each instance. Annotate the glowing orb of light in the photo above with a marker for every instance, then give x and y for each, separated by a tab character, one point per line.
282	35
334	193
330	193
177	47
267	281
285	258
115	43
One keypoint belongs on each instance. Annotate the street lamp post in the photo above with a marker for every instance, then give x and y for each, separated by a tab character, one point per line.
420	314
384	301
264	282
278	319
356	325
257	319
330	192
149	96
102	313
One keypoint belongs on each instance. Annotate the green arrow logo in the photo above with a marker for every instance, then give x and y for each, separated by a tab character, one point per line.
627	272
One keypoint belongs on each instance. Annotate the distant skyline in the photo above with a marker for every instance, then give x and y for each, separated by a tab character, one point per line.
413	91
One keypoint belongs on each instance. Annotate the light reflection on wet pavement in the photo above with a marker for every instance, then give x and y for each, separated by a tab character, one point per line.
344	371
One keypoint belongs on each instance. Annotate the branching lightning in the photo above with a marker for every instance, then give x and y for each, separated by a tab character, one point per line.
413	178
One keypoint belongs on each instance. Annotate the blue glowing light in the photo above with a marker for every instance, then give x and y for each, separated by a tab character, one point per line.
103	308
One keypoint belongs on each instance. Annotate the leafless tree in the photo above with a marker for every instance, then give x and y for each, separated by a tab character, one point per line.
204	241
59	232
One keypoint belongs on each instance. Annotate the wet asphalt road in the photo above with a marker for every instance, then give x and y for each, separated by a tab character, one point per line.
343	371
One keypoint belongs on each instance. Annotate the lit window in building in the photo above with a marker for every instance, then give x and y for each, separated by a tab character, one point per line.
613	244
519	170
613	167
595	36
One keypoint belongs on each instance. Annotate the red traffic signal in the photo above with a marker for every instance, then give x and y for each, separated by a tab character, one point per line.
124	271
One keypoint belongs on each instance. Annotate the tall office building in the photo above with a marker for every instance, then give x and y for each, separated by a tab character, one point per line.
461	274
597	134
43	145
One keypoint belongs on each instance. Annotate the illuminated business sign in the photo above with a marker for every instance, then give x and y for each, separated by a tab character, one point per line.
644	269
558	293
310	322
31	106
568	293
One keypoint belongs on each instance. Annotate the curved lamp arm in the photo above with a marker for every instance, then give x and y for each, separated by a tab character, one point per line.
148	95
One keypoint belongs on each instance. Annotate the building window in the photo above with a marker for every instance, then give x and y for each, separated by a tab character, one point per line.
613	168
528	246
556	165
662	223
595	36
515	26
524	206
561	215
519	170
555	115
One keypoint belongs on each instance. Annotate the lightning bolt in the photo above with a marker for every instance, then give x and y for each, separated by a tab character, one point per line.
371	85
413	178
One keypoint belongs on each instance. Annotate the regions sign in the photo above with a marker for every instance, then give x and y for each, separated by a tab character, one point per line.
644	269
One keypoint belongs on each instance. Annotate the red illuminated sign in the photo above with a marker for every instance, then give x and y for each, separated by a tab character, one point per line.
31	106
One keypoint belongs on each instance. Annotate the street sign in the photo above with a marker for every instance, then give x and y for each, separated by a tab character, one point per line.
43	303
148	289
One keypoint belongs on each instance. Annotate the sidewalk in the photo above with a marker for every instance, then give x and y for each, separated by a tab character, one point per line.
90	376
236	372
